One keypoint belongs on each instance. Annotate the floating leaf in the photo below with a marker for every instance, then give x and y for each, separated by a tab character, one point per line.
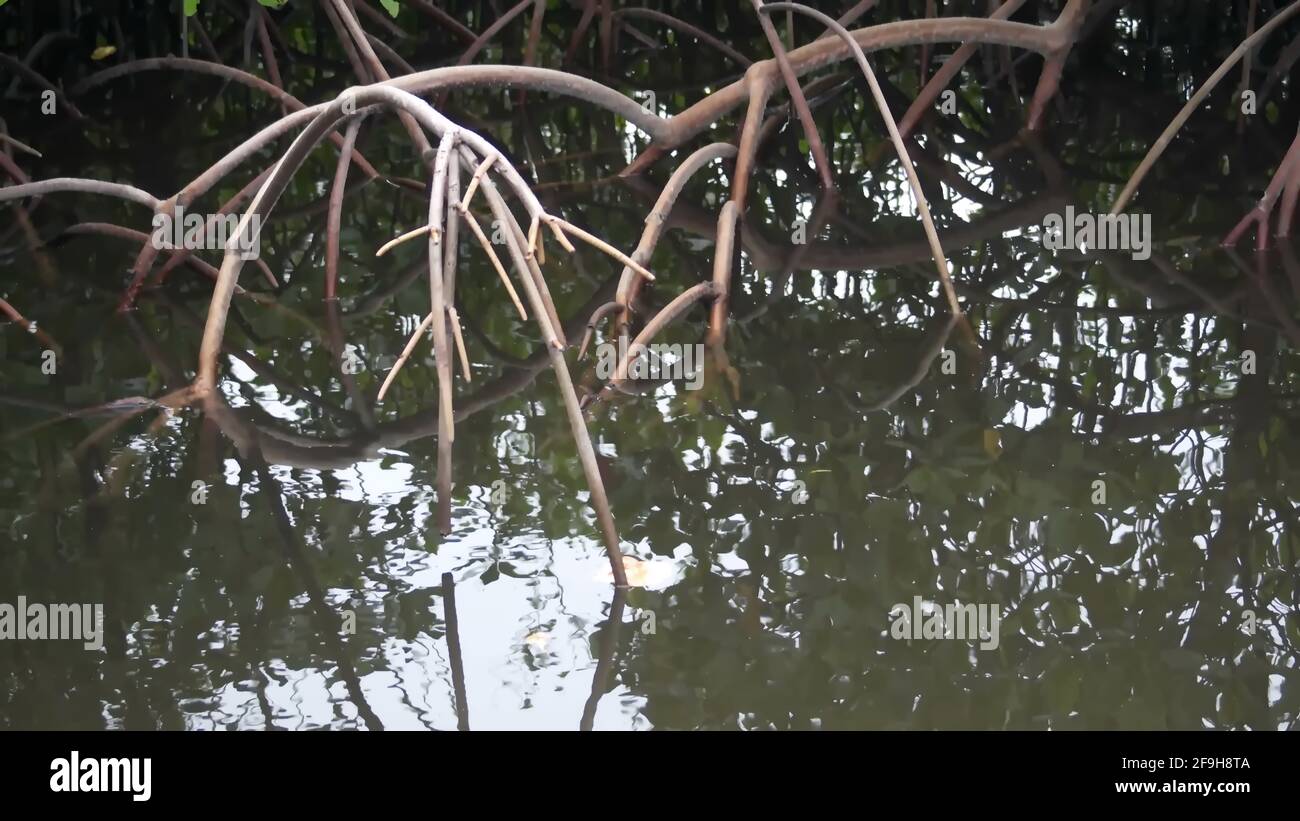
538	640
657	573
102	52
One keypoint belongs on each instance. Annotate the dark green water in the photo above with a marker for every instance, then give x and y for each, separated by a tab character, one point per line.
1109	458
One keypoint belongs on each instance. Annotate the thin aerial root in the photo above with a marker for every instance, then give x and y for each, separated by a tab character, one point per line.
724	251
797	100
19	144
460	343
600	244
1167	136
414	233
534	246
940	259
334	216
31	327
598	498
629	285
1262	213
496	261
601	312
670	313
438	306
406	354
559	235
946	73
534	272
476	178
451	241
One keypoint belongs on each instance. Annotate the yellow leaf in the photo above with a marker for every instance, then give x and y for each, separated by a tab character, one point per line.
538	640
656	573
102	52
992	443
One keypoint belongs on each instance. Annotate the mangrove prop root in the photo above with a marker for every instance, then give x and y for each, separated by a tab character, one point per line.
1284	179
460	148
940	260
1184	114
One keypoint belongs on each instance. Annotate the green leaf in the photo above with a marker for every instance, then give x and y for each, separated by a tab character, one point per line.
191	7
391	5
274	4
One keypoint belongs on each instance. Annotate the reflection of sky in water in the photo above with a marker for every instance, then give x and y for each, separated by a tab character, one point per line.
526	643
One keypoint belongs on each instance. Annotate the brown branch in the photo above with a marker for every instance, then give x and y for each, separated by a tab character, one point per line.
670	313
335	213
1259	216
656	221
80	186
106	229
1167	136
268	51
31	327
36	78
451	23
377	70
800	103
940	259
438	311
723	254
947	72
818	54
1049	81
589	8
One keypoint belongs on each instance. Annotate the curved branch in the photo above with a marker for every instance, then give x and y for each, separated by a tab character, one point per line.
491	31
661	320
949	70
940	259
81	186
821	53
656	221
30	74
495	76
225	72
335	214
797	99
1167	136
264	202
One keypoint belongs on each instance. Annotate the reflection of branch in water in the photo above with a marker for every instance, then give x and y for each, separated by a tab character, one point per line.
361	404
922	368
328	620
252	428
263	370
453	650
766	255
605	663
